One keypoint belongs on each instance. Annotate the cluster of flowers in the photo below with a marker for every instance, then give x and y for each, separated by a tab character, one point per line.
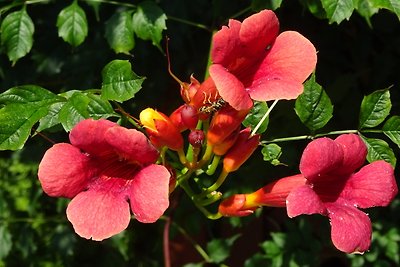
108	170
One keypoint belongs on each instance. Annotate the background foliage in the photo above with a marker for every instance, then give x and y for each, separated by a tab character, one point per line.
73	58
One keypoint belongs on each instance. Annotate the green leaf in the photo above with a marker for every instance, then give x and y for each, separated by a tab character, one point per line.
16	122
72	24
365	9
379	150
391	129
392	5
51	119
120	83
258	5
32	94
313	106
5	241
272	153
149	22
257	260
219	249
119	32
99	108
17	31
255	115
74	110
315	7
338	10
374	109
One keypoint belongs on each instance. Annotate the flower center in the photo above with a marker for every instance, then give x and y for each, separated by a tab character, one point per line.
114	166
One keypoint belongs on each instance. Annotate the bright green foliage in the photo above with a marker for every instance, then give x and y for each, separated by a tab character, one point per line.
17	31
338	10
392	5
313	106
392	129
74	110
374	109
119	32
72	24
24	106
149	22
379	150
272	153
120	83
255	115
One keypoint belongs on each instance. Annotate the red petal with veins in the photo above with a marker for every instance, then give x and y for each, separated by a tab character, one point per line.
149	193
374	185
303	200
320	157
64	171
102	211
131	144
351	228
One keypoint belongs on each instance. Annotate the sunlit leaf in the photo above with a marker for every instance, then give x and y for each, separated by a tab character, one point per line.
32	94
16	122
379	150
51	119
120	83
72	24
338	10
272	153
392	5
74	110
100	108
149	22
374	109
16	36
313	106
255	115
392	129
119	32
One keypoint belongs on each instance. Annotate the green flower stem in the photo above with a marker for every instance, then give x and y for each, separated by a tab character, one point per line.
214	164
207	201
128	116
20	3
184	21
304	137
198	248
182	158
263	118
207	156
215	186
209	215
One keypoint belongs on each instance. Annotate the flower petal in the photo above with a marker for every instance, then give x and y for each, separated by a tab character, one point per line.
64	171
131	144
258	31
149	193
230	88
226	43
320	157
290	61
374	185
351	228
354	152
102	211
88	135
303	200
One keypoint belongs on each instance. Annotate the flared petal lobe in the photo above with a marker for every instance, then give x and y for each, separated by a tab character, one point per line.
149	193
102	211
303	200
374	185
131	144
88	135
64	171
320	157
351	228
354	153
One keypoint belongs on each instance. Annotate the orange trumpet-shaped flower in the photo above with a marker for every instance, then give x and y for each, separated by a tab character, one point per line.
241	150
161	130
224	122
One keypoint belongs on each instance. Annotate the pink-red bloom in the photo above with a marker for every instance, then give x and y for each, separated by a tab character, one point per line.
329	184
251	61
105	170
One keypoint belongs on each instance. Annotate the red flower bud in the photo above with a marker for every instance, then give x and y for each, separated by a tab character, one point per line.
161	130
235	206
241	150
223	123
221	148
196	138
185	117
